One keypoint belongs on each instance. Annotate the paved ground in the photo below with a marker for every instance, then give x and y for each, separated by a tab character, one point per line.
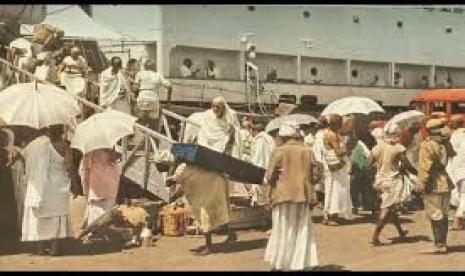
344	247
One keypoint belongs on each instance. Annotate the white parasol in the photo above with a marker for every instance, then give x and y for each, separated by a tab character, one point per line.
352	105
102	130
36	105
301	119
406	119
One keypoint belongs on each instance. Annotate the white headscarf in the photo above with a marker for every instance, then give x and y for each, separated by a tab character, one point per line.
289	129
391	133
214	133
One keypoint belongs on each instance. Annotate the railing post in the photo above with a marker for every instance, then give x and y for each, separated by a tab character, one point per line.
147	163
124	146
202	95
167	126
182	131
247	83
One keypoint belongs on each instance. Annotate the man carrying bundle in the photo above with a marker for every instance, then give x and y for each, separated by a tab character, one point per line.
208	191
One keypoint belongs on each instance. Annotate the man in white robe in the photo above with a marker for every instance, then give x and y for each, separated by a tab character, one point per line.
318	151
291	175
263	146
456	170
338	201
219	131
112	81
74	71
46	205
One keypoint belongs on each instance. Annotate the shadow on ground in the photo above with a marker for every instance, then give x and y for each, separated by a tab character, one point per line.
76	248
329	267
410	239
456	249
360	219
239	246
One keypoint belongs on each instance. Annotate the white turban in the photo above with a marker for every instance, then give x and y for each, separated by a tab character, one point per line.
391	133
289	129
392	130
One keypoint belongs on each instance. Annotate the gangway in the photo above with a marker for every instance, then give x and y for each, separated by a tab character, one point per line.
138	163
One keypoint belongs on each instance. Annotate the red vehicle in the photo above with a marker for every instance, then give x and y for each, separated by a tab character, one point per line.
446	102
440	103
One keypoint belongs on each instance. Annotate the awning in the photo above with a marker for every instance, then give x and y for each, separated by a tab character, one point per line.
75	23
22	14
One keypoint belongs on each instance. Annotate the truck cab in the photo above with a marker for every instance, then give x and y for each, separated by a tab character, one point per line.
440	102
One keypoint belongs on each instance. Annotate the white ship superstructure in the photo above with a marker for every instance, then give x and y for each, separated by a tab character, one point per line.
387	53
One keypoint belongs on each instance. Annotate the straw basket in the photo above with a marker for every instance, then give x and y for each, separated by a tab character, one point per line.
174	220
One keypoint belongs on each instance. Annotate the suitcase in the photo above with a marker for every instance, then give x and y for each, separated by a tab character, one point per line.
237	169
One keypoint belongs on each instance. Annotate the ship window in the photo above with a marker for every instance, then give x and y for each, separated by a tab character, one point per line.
448	30
458	107
438	107
314	71
356	19
400	24
306	14
354	73
251	8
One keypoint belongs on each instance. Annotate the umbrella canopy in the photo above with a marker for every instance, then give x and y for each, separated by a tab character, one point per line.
301	119
36	105
406	119
352	105
102	131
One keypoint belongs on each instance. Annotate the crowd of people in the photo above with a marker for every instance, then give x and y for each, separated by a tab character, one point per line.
385	170
333	165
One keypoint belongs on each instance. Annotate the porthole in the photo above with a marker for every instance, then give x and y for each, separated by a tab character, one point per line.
354	73
251	8
306	13
400	24
356	19
449	30
314	71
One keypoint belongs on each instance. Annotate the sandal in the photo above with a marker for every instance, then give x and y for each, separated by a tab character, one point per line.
376	243
203	252
332	223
